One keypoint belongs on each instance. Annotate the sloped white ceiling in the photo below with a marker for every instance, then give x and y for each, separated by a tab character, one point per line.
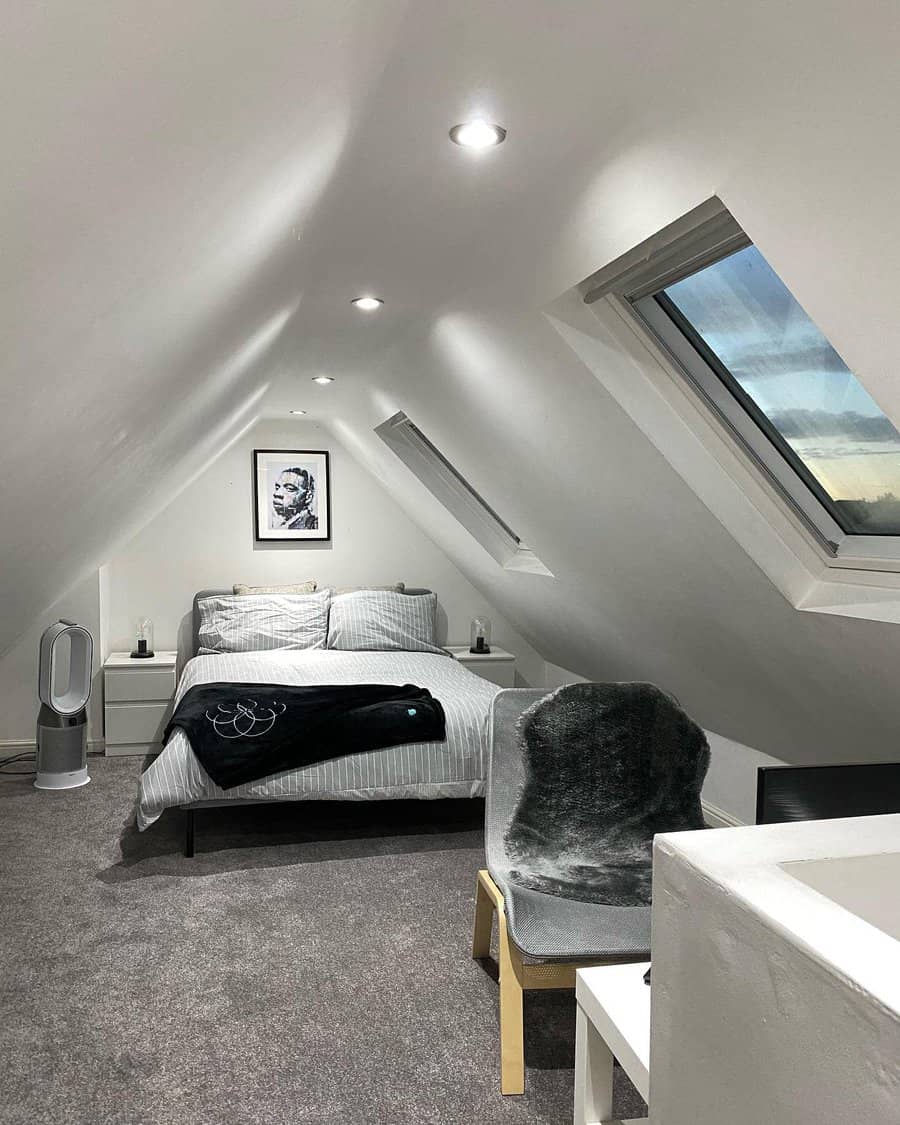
163	164
192	192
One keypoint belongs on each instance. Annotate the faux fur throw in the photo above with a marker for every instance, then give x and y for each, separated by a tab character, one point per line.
606	767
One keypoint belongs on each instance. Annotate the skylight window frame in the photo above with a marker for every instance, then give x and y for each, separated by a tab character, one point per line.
447	484
704	236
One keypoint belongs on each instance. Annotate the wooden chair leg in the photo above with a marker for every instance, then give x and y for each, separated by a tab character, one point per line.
488	900
484	921
512	1032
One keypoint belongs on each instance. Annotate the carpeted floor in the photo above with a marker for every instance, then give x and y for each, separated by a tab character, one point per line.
311	965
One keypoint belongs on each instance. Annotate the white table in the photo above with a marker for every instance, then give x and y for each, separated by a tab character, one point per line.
498	665
612	1021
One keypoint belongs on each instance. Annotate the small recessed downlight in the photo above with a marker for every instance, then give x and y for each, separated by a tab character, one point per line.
477	134
323	380
367	304
298	412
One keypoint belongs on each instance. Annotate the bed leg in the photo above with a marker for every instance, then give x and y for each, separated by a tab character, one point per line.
189	833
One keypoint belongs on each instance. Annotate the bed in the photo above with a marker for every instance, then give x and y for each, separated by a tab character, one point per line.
454	768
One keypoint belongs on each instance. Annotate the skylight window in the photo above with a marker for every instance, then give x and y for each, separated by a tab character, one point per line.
744	342
447	484
740	316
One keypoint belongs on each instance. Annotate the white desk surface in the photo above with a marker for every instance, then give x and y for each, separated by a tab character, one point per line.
617	1002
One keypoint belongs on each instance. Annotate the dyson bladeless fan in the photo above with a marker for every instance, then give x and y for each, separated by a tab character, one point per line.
64	687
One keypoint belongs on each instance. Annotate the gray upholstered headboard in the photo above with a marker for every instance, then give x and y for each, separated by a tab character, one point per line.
195	626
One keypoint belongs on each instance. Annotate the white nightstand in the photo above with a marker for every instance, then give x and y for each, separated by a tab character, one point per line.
498	665
137	696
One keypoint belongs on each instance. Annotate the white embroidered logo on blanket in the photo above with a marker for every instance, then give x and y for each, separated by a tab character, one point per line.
243	720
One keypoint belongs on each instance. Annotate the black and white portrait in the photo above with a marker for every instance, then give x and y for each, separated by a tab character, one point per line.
292	500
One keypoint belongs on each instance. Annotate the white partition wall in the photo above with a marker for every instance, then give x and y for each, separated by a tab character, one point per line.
776	991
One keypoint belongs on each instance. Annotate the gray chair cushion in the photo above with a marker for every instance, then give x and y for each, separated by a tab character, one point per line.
563	929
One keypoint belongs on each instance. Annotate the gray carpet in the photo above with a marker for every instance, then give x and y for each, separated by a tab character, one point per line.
311	965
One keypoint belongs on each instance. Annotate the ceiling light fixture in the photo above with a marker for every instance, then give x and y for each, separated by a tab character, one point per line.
477	134
298	412
323	380
367	304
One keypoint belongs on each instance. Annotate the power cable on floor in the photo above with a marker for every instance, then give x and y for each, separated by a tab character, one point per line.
4	772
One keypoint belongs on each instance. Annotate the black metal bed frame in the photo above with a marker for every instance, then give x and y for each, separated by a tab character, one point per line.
194	806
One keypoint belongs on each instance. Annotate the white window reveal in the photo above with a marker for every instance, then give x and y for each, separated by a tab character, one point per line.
445	482
743	341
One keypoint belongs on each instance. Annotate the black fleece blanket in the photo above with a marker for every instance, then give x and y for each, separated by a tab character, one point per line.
241	732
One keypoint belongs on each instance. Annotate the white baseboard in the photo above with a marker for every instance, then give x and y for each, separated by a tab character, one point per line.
29	746
719	818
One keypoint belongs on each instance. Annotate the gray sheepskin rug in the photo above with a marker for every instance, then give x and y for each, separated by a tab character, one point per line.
606	767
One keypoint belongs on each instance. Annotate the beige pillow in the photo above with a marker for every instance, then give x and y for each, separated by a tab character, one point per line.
308	587
397	588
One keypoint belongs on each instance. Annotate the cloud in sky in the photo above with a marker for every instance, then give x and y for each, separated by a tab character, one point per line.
750	321
849	425
763	359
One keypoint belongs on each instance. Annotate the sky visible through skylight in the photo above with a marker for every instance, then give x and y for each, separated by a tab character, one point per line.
748	318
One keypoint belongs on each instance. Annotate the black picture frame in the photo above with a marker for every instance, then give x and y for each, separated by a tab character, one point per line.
281	479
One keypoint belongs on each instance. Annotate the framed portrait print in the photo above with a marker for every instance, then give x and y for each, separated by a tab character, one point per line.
291	494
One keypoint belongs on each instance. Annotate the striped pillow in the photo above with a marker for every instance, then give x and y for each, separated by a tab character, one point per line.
385	621
262	622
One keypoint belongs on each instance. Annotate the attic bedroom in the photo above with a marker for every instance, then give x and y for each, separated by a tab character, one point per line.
451	563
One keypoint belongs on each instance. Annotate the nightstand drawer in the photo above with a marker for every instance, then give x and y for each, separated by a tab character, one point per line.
136	722
137	684
500	672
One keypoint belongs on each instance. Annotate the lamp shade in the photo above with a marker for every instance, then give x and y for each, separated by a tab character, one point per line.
143	639
480	635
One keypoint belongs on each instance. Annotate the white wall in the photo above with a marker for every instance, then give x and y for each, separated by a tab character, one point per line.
730	785
204	538
556	676
772	1002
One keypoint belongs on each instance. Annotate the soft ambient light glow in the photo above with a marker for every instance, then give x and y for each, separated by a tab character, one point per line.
477	134
323	380
367	304
298	412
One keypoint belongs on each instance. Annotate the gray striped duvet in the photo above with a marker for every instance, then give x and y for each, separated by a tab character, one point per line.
455	768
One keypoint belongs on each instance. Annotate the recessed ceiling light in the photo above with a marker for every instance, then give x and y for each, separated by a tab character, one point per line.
477	134
298	412
367	304
323	380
